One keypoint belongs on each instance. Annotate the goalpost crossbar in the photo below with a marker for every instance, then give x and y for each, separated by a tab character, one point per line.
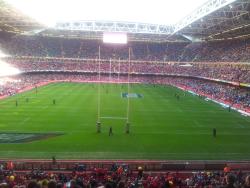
112	117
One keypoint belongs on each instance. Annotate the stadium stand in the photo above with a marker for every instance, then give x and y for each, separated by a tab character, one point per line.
220	51
118	176
224	71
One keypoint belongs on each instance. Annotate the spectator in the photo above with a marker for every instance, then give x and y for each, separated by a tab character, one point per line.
247	182
230	180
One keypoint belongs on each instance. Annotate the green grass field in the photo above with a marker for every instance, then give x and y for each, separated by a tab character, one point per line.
161	126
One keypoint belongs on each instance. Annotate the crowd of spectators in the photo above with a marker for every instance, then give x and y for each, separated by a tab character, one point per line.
89	49
220	51
235	72
120	176
233	95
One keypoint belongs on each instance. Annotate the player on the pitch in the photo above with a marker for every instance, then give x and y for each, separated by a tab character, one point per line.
214	132
110	131
178	97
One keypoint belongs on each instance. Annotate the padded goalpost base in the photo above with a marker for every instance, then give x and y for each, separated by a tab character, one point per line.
127	129
98	127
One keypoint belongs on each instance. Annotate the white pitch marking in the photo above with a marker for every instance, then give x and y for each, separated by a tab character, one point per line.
25	120
110	117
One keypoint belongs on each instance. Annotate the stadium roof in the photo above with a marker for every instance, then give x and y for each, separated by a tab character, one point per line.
12	20
163	12
231	20
214	20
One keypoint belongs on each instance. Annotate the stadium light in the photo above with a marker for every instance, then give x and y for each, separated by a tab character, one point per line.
3	54
7	70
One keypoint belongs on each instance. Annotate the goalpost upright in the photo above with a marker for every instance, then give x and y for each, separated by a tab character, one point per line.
119	70
98	124
128	98
110	71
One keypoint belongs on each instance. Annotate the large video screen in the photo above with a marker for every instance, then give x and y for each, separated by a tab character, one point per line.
115	38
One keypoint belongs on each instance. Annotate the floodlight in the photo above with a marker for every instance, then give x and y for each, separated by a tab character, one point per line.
7	70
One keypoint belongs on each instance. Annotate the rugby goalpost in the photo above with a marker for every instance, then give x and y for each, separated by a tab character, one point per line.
127	116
